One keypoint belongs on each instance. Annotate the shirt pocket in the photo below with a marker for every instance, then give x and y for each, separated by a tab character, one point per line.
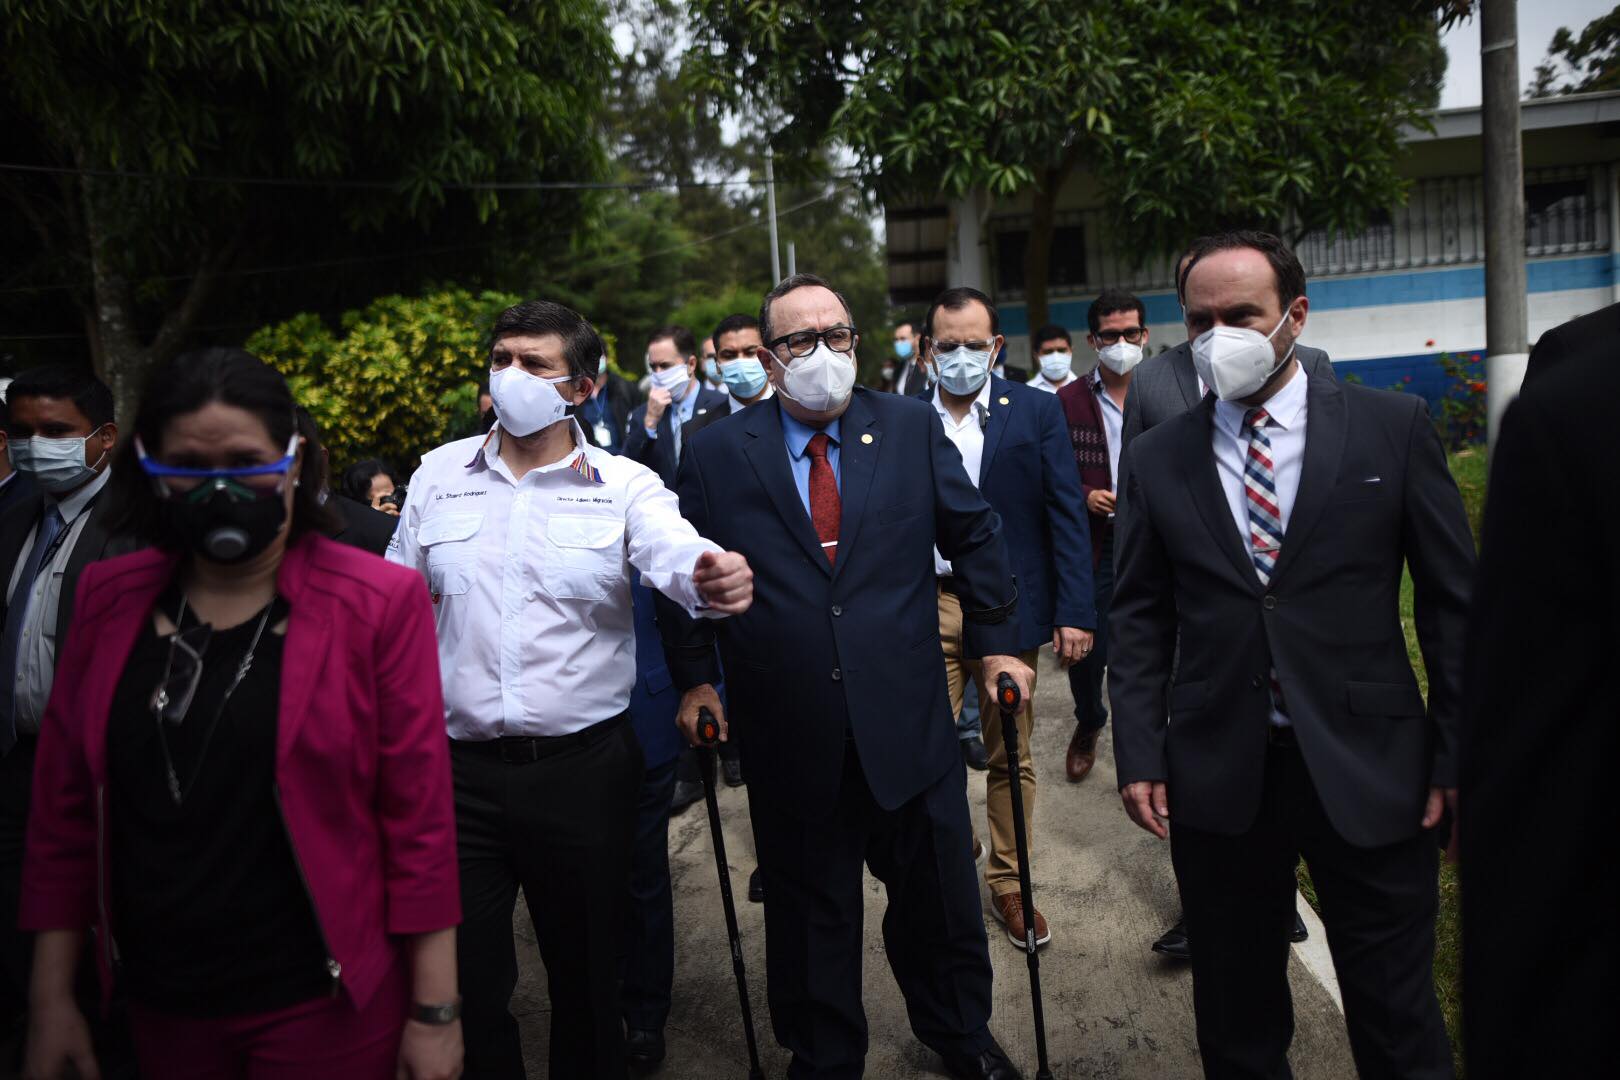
584	556
448	541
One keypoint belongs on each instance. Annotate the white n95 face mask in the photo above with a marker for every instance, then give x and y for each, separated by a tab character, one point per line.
821	381
1121	357
1055	367
1235	361
526	403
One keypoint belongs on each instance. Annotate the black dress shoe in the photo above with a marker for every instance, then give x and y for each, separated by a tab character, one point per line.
1174	943
1299	933
687	792
974	753
731	769
992	1064
645	1049
756	888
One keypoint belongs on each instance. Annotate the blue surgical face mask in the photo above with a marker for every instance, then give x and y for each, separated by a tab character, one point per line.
58	465
744	377
962	371
903	349
711	369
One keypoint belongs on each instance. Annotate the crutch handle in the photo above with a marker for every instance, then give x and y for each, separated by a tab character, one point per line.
1008	695
708	728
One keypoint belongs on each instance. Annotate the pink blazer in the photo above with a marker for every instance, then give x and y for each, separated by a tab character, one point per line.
362	760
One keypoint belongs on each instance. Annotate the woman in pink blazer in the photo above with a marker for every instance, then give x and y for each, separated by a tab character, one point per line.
243	782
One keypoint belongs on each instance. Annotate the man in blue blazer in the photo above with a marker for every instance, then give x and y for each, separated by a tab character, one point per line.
839	497
1015	446
677	396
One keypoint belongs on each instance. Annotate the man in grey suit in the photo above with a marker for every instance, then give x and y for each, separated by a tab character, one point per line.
1164	387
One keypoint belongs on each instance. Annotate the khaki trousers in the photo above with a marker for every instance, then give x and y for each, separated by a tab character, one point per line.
1001	871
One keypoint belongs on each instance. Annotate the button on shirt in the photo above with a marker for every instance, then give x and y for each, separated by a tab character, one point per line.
531	581
1286	431
797	435
968	437
36	649
1113	418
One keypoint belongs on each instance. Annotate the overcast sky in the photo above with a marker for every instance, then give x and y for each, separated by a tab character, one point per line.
1538	21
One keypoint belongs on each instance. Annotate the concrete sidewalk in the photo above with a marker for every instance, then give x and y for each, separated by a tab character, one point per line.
1113	1008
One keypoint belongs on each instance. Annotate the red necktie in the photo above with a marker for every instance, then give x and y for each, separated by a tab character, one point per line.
825	507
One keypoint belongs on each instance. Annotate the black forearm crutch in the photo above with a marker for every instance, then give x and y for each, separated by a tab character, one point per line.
708	733
1009	698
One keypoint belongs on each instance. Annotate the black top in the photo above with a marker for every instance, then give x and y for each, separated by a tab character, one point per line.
211	916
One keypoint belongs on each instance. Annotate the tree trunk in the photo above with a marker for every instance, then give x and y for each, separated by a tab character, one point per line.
119	359
1038	253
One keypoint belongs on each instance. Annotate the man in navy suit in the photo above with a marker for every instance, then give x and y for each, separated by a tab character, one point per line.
1015	446
676	397
839	497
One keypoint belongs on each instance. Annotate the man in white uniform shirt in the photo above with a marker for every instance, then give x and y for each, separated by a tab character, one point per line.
527	538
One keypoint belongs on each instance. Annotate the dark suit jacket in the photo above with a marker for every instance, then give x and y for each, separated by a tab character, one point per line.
1374	494
1541	733
16	492
1598	330
1027	476
622	397
816	658
699	422
1165	386
659	454
362	527
95	542
911	379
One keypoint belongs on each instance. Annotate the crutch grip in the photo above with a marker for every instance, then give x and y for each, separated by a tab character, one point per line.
1007	693
708	728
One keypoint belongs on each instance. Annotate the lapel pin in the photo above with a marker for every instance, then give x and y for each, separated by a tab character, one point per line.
1004	401
867	439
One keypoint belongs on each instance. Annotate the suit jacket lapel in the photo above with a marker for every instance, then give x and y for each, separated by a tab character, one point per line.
23	517
997	426
861	440
1204	483
766	451
309	635
1326	428
88	548
1186	376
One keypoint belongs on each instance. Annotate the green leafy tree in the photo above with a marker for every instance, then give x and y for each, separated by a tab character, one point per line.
1577	63
400	377
162	118
1189	115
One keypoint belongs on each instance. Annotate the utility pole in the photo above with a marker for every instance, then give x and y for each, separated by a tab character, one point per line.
770	208
1507	332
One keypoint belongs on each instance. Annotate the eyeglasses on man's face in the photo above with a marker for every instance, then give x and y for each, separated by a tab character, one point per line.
840	339
1133	335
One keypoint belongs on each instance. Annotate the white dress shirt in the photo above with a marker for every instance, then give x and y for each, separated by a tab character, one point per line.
1113	418
1286	432
968	436
36	651
531	581
738	405
1040	382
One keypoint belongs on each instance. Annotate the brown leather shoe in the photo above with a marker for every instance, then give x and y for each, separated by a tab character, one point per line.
1082	755
1009	911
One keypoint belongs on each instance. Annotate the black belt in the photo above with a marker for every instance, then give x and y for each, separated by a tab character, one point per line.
947	583
1281	736
523	749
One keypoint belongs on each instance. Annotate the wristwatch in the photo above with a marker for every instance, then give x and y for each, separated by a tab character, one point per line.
438	1015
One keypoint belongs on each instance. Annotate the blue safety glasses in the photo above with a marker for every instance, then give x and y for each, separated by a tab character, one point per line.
228	481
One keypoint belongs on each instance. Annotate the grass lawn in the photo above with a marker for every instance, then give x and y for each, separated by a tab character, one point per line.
1468	467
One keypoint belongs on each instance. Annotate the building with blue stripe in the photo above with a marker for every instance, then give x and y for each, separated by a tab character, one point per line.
1385	303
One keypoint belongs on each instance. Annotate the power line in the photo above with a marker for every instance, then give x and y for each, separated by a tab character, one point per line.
396	185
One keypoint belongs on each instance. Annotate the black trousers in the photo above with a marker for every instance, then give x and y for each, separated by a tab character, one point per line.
16	946
933	931
649	966
1378	905
1086	677
560	828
